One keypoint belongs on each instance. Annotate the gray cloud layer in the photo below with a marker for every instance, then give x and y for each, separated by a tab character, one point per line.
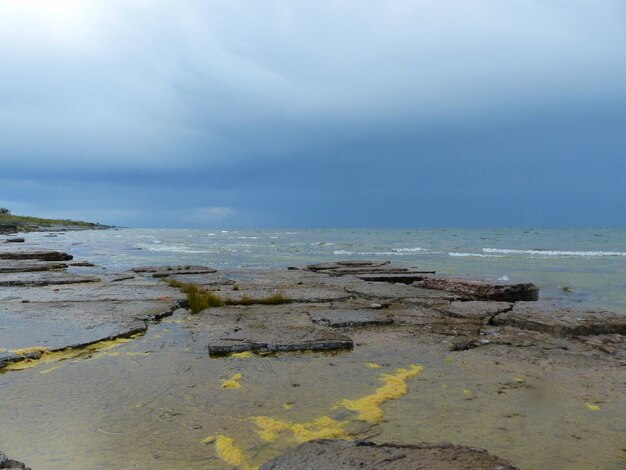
314	113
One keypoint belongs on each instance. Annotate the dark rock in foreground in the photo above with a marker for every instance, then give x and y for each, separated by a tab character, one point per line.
350	318
15	240
482	290
250	338
562	321
40	255
340	455
10	464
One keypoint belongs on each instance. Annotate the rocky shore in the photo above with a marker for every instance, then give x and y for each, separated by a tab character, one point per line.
53	307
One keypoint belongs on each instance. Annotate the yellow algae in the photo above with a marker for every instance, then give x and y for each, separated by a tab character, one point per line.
48	356
372	365
230	453
208	440
323	427
592	407
395	386
241	355
34	349
233	382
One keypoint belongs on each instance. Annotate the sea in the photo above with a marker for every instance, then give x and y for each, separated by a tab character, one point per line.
584	266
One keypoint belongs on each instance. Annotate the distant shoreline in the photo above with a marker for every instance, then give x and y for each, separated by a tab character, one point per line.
10	224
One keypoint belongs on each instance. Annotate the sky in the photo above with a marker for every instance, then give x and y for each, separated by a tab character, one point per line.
151	113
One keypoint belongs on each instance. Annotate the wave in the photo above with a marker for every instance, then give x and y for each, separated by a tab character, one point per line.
391	252
553	252
474	255
171	249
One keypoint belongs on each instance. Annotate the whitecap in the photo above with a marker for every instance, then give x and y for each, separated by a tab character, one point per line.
476	255
554	252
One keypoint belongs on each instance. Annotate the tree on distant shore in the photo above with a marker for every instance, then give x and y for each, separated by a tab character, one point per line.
4	210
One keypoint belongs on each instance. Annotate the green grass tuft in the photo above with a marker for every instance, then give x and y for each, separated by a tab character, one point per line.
199	298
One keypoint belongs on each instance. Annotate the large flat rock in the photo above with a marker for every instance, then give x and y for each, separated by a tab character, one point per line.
478	289
350	318
93	291
345	455
17	266
44	279
280	338
39	255
562	321
57	325
476	311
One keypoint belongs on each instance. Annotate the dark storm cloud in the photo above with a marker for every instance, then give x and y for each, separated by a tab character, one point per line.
314	113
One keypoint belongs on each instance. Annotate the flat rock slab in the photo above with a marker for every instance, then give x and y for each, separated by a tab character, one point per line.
563	321
476	311
165	271
58	325
350	318
291	295
93	291
40	255
481	290
347	264
208	280
44	279
21	266
15	240
408	277
251	338
345	455
379	290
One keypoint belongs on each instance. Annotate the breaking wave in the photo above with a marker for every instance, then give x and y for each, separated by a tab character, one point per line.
391	252
552	252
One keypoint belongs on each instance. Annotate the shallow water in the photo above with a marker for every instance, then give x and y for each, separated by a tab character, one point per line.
150	403
570	265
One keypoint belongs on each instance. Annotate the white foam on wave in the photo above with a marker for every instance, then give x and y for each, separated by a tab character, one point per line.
172	249
553	252
411	250
391	252
474	255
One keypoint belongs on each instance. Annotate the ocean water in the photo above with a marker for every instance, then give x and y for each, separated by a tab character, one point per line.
585	266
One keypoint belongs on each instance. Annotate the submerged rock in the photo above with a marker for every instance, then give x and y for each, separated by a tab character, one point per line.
340	455
10	464
15	240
